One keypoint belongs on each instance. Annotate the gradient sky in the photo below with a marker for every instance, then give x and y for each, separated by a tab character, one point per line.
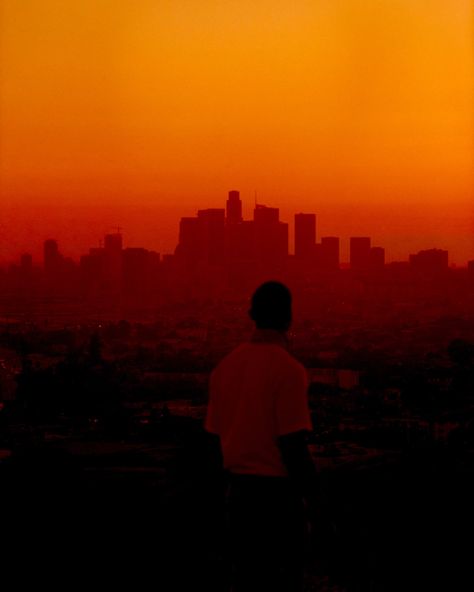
138	112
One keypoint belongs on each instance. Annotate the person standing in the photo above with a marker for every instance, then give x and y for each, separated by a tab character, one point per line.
259	419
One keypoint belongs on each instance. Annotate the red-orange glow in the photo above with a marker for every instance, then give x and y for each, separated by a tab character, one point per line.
136	113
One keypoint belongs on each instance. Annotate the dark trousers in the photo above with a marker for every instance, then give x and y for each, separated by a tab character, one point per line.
266	522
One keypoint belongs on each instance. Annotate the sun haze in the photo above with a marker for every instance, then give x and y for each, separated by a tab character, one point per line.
137	113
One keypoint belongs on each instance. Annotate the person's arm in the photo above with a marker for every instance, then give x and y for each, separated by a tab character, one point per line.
299	463
302	471
293	421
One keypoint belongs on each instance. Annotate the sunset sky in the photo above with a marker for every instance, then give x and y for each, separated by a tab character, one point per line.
137	112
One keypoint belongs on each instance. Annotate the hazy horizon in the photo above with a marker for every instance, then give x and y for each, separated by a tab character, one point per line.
135	114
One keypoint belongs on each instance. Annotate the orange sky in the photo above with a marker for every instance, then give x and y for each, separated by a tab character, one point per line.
136	112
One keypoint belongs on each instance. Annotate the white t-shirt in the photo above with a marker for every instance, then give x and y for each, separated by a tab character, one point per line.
257	393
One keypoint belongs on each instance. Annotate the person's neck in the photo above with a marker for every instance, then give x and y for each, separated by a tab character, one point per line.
274	336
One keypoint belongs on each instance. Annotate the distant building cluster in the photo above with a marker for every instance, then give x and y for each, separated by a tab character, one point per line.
218	253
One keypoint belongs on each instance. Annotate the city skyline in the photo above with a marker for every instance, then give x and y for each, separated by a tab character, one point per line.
304	223
220	254
127	113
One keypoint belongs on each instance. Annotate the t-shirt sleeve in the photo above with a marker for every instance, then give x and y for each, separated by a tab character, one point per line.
292	409
211	422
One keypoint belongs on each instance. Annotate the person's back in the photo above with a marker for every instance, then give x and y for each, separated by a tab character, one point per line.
257	393
258	410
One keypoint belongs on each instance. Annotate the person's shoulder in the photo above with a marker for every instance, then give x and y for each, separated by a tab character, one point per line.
287	363
285	356
229	358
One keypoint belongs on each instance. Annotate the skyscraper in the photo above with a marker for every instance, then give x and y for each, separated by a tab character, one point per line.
377	258
431	260
265	216
190	247
329	253
51	255
140	273
360	252
234	208
113	242
113	262
271	238
212	229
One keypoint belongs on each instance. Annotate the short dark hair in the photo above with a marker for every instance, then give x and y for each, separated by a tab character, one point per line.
271	306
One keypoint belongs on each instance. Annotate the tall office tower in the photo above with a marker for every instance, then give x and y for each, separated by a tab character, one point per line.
51	255
140	273
282	241
329	253
377	258
113	262
305	235
431	260
91	268
190	247
241	258
113	242
53	265
360	252
246	241
271	238
264	215
212	230
234	208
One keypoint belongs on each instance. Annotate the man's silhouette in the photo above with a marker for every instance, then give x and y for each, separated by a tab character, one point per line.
258	413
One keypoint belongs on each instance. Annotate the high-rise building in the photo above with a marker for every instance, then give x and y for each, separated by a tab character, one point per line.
212	229
242	241
113	262
360	252
113	242
271	238
234	208
282	241
53	266
140	273
91	269
190	246
305	235
431	260
377	258
51	255
264	215
329	253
